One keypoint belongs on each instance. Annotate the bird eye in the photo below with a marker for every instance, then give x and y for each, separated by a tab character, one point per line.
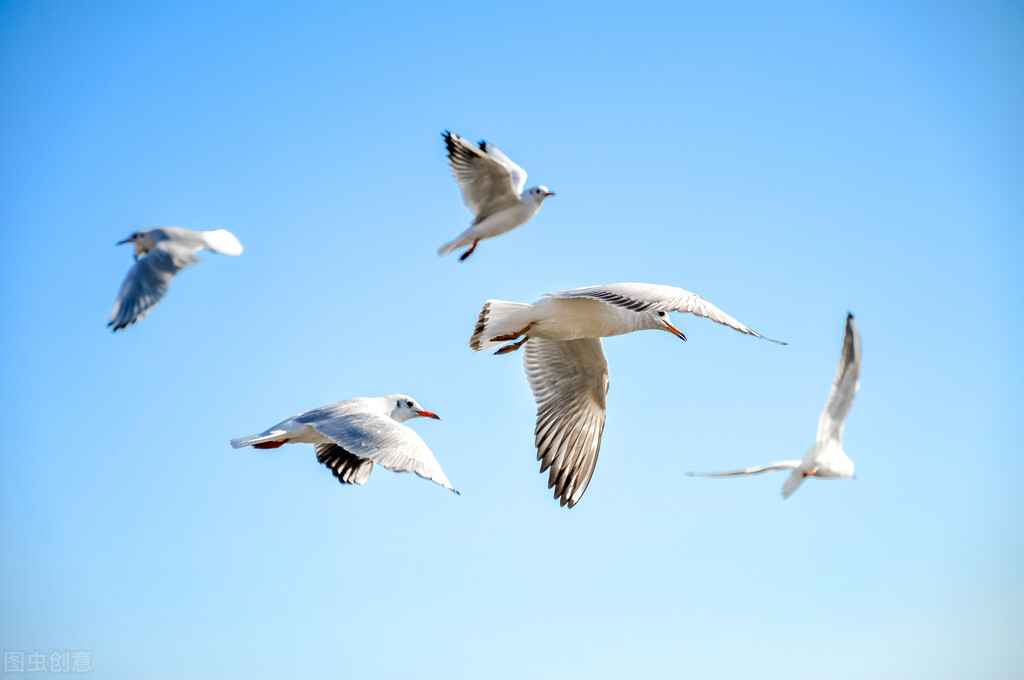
409	404
661	313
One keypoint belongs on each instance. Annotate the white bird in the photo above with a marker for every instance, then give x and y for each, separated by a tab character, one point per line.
165	251
826	459
351	435
492	187
566	365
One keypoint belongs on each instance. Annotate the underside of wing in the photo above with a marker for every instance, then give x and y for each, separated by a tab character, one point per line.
146	284
517	174
569	381
844	385
348	468
381	440
486	184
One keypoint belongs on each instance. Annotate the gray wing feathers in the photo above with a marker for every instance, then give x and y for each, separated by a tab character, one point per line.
781	465
844	385
383	441
147	282
516	174
348	468
640	297
486	184
569	381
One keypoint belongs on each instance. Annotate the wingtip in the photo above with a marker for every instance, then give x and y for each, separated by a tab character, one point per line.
849	315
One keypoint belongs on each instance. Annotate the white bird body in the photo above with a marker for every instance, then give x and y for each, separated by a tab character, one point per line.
351	435
826	459
492	187
161	253
566	365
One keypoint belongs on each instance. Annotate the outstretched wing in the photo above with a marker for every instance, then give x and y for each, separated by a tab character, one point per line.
147	282
844	385
380	439
348	468
640	297
486	184
516	173
569	381
781	465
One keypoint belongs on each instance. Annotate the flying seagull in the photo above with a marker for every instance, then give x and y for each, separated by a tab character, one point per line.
566	365
159	255
826	459
351	435
492	187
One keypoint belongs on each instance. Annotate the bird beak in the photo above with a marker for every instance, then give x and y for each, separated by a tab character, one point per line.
674	331
428	414
127	240
550	193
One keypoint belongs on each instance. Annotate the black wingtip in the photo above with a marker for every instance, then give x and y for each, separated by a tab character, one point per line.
849	315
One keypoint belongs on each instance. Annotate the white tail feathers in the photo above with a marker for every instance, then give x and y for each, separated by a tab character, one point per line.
497	317
222	241
793	482
256	439
450	246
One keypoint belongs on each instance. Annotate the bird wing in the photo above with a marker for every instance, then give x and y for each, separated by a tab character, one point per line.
844	385
516	174
781	465
569	381
147	281
641	297
486	184
381	440
348	468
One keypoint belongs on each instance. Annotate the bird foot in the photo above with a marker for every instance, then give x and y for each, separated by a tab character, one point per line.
512	336
468	252
513	347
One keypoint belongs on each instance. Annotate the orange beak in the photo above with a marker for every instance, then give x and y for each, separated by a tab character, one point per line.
674	331
428	414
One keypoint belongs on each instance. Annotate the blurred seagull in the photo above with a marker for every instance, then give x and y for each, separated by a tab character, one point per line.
826	459
492	187
164	252
351	435
566	365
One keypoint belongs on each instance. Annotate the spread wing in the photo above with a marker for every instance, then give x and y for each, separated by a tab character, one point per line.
381	440
844	385
349	469
147	282
486	184
516	173
641	297
781	465
569	381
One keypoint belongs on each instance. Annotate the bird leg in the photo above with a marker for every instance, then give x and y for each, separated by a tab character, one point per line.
513	336
468	252
514	346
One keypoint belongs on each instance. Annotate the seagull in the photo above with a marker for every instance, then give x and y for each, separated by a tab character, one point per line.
492	187
566	366
351	435
159	255
826	459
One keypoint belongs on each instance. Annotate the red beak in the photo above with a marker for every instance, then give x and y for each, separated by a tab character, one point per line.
428	414
550	193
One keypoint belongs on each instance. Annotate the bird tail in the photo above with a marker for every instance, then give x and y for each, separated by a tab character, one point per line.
497	317
793	482
257	439
450	246
222	241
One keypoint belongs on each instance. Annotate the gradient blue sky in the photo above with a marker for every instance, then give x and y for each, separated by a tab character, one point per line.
789	162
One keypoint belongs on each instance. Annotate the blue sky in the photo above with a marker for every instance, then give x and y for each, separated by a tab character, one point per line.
787	162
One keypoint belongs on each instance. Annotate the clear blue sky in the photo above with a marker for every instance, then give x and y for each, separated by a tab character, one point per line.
788	161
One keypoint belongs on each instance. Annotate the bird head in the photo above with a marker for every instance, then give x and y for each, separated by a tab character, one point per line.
657	319
143	240
538	194
407	408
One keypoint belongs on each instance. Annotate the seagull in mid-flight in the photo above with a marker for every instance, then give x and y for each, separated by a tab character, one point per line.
160	254
351	435
826	459
492	187
566	366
